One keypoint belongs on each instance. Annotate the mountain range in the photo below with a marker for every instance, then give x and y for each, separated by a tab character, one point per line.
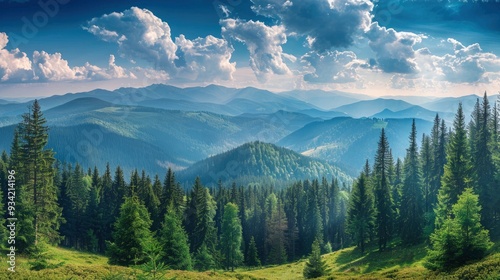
186	128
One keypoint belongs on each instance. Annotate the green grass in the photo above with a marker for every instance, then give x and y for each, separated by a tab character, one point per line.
349	263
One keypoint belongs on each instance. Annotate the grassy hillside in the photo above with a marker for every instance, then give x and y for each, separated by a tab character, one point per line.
396	263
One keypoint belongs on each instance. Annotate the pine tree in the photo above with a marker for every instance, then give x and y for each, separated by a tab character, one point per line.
174	242
231	237
172	193
39	191
276	227
315	267
438	144
412	214
383	200
252	254
361	212
131	234
200	218
108	208
458	173
204	260
426	164
483	165
461	237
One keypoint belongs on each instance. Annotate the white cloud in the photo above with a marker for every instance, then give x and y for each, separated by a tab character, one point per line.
326	23
139	34
332	67
394	50
14	65
264	44
205	59
51	67
467	64
142	35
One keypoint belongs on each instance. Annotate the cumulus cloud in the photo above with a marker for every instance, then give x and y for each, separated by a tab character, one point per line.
139	34
394	50
326	23
14	65
264	44
332	67
142	35
205	58
467	64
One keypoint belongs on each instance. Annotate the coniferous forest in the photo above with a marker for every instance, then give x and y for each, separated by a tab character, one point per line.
443	194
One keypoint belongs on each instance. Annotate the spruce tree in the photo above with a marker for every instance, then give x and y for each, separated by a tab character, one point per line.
412	213
276	226
461	236
131	234
203	259
231	237
252	258
315	267
361	212
483	165
458	172
383	200
40	193
174	242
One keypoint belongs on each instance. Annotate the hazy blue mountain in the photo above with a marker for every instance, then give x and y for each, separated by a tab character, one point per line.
413	112
175	137
76	106
368	108
3	102
326	115
256	161
184	105
349	142
450	104
326	100
417	100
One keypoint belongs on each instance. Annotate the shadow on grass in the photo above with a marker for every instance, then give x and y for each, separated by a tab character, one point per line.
374	260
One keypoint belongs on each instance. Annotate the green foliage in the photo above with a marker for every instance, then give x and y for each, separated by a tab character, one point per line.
231	237
131	234
203	259
361	212
153	267
315	267
412	212
252	254
383	200
174	242
458	172
461	237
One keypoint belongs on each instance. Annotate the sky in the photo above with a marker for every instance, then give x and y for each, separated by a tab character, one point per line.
379	48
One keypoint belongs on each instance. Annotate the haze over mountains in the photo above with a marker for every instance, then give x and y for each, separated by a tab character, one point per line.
160	125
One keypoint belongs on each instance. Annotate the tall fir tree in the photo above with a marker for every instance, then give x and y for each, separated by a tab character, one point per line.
458	172
40	193
382	191
231	237
483	165
361	212
412	212
174	241
276	227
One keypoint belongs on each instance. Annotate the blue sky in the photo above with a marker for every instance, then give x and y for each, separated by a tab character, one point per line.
385	47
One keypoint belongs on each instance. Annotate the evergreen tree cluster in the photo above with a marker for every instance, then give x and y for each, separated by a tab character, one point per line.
424	195
446	190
